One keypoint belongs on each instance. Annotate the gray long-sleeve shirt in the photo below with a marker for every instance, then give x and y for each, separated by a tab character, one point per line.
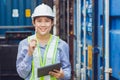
24	61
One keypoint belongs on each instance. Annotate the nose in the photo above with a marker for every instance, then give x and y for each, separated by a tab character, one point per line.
43	24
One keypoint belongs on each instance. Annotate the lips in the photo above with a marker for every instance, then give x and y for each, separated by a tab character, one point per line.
43	29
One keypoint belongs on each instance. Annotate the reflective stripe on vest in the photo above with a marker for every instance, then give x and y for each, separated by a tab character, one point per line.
48	58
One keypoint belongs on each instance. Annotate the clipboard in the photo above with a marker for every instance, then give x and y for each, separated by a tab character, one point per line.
42	71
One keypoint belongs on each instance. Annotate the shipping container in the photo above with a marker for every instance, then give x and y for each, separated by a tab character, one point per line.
96	49
17	12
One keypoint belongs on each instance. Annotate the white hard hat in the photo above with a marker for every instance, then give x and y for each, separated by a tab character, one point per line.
43	10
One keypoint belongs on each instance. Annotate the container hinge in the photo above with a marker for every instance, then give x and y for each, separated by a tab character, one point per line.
109	70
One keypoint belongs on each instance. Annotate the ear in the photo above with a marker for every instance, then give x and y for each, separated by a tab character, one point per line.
52	23
33	22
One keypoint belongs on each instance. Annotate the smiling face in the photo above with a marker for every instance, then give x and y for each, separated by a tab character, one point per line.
43	25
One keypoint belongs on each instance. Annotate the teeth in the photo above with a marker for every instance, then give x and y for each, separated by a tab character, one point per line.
43	30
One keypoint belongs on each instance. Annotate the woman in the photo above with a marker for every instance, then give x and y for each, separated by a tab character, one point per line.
42	49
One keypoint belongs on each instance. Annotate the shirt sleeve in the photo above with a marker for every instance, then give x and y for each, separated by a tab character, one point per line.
64	59
24	61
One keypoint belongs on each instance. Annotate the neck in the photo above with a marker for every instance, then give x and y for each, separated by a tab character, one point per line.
43	39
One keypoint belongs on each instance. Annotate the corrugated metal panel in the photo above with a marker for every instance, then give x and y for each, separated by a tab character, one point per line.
115	7
114	32
28	7
21	11
2	17
115	53
115	38
8	12
57	16
15	12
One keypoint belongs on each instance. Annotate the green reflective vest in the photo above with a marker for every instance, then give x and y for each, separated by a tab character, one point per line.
48	58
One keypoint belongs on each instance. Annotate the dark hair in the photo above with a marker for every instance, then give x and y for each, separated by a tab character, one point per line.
43	16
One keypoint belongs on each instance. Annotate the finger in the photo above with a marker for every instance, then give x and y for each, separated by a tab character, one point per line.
58	71
56	75
52	73
55	70
61	70
34	41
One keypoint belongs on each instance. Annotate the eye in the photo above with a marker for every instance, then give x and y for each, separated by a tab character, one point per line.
47	20
39	20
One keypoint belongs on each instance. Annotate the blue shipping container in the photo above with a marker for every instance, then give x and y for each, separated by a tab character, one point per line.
96	48
17	12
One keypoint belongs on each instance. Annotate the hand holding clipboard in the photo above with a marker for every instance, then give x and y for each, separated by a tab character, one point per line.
42	71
